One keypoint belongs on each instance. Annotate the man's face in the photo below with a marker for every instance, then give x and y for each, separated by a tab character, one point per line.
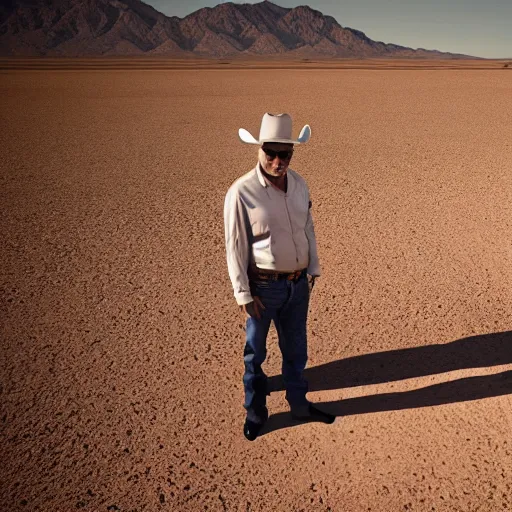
275	158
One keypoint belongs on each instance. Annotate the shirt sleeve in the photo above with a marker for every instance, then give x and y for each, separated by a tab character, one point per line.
314	263
237	246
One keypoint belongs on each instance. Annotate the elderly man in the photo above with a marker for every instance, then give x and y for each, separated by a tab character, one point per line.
271	250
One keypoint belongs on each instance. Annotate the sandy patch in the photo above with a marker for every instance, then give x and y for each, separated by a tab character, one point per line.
122	345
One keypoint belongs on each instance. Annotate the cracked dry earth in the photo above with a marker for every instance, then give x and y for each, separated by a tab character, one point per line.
121	344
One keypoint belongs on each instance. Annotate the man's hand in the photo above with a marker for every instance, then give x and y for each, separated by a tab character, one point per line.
254	308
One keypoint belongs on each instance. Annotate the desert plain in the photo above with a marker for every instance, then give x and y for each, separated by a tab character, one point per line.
121	343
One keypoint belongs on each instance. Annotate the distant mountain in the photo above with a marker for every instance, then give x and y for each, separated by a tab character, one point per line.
78	28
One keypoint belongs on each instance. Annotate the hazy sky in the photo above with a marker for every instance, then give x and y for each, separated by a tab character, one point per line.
482	28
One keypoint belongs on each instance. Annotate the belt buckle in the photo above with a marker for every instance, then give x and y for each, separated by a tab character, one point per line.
294	275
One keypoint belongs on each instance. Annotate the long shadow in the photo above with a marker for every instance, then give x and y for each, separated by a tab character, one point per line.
461	390
473	352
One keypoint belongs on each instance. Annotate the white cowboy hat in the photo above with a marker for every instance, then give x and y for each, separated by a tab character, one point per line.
276	128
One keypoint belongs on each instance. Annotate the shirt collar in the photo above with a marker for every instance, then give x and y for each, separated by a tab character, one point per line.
261	178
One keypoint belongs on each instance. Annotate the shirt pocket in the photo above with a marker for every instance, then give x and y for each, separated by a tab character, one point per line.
262	251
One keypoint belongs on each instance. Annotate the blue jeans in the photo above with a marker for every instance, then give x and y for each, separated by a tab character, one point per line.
286	303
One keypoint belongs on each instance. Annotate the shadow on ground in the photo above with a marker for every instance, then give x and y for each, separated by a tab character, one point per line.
474	352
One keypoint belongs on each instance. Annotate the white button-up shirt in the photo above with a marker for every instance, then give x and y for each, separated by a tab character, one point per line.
268	229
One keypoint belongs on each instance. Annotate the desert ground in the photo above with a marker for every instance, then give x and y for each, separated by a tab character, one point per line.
121	343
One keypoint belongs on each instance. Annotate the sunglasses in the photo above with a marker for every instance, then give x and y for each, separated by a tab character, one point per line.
283	155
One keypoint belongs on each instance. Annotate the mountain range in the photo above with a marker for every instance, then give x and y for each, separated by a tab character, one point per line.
80	28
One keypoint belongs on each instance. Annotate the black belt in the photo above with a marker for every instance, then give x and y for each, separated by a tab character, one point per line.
260	275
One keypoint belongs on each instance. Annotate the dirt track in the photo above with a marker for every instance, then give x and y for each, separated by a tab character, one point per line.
121	344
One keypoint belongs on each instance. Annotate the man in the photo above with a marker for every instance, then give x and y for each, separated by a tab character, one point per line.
271	249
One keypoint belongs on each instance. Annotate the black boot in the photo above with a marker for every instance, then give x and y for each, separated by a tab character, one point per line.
251	428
